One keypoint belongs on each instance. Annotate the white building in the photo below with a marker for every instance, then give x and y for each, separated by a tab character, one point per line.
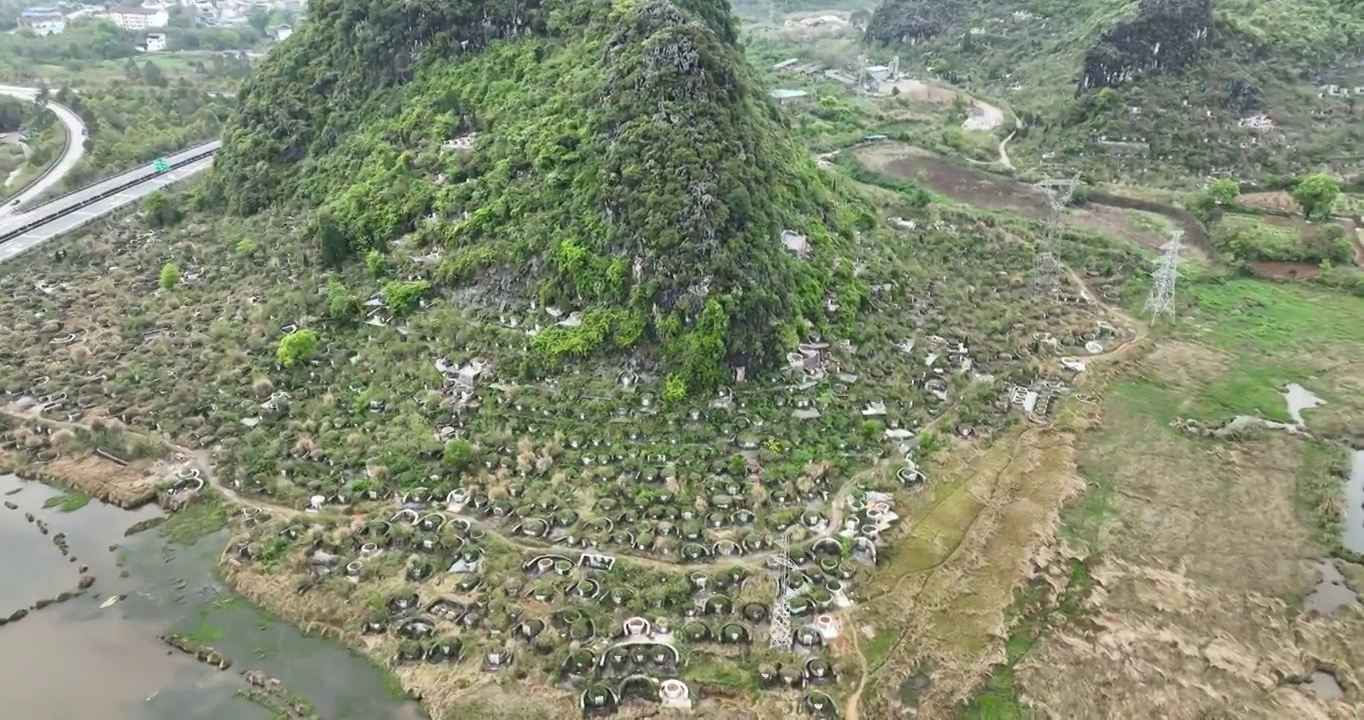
155	42
43	21
140	18
283	32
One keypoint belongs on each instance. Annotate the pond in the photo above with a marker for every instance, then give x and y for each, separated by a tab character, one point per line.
76	659
1298	399
1353	531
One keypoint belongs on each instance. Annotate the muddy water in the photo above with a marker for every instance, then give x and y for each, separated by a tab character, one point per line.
1324	685
1300	398
1331	593
1352	534
77	661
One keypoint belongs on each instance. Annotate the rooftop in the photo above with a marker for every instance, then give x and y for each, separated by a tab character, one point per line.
786	94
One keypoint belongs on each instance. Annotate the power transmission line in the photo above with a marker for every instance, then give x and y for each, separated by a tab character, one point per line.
1060	191
1161	301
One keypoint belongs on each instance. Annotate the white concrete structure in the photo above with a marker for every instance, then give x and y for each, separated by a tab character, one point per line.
674	694
283	32
155	42
140	18
43	21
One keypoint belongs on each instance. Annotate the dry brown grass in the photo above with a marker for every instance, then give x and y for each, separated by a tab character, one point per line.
1185	363
128	486
953	575
1203	561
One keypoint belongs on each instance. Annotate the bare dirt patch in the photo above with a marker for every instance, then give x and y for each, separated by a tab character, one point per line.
818	23
1186	362
1285	270
920	91
998	192
1274	200
981	116
973	187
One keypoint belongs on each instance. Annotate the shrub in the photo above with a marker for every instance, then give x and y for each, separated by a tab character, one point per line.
402	296
297	345
170	276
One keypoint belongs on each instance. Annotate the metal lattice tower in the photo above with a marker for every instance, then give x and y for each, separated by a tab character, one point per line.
1161	301
862	74
1059	191
781	607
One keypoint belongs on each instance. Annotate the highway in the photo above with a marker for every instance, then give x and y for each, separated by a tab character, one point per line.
64	224
71	211
22	230
75	149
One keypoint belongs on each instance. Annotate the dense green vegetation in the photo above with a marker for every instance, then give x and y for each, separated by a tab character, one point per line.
45	137
1250	239
622	154
135	124
95	53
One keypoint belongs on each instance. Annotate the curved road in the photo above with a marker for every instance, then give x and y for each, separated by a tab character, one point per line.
75	148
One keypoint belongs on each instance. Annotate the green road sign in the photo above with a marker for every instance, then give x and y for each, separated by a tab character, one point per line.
160	165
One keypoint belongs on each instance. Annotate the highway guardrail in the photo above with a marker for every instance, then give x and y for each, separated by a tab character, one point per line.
39	222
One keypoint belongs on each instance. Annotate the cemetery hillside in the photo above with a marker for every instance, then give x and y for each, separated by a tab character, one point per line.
717	359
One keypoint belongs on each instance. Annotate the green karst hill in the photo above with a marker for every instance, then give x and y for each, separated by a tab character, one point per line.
614	159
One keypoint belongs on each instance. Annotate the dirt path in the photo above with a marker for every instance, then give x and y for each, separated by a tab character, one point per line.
1004	161
855	696
989	118
1140	329
19	171
1004	151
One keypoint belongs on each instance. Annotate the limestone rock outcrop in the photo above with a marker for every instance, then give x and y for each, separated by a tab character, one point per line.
897	22
1164	36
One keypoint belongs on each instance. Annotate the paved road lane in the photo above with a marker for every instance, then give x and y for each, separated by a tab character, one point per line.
13	248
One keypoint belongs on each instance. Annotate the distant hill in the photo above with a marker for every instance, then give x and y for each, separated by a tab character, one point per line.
1242	87
615	159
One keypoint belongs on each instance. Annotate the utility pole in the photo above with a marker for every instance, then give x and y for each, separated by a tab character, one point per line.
1060	191
781	607
1161	301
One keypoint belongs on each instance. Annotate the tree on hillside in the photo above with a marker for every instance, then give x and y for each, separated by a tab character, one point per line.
1317	194
1224	191
259	18
297	346
1107	100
